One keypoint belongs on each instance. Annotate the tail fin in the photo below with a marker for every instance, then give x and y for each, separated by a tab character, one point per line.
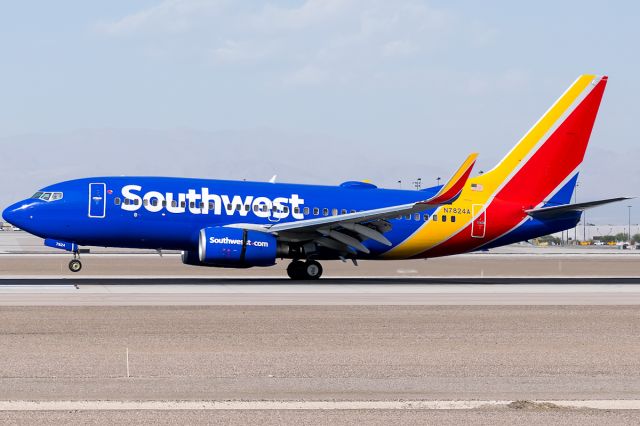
544	164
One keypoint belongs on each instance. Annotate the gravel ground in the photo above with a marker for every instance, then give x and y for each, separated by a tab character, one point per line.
442	418
320	352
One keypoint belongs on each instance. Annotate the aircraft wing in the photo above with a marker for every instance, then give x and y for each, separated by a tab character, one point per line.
324	231
550	212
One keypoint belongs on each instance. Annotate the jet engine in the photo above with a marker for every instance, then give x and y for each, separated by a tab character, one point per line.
233	248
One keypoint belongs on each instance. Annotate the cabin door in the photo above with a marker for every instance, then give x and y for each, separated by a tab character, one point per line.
97	200
479	224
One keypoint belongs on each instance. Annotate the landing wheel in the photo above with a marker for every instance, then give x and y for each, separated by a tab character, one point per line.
75	265
312	270
295	270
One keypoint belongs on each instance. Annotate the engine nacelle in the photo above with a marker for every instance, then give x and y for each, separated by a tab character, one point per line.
234	248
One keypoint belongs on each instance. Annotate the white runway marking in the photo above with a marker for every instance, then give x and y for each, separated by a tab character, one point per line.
308	405
36	288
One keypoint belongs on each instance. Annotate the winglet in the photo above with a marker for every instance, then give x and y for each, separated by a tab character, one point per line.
453	188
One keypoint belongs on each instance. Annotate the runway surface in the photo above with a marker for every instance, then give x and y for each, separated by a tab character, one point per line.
347	291
322	353
90	344
570	265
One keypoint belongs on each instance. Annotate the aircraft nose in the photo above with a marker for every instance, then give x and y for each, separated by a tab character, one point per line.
16	214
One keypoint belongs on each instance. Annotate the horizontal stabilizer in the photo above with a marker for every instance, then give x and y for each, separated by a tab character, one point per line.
550	212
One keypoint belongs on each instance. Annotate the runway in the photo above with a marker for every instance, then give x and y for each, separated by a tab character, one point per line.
186	291
179	347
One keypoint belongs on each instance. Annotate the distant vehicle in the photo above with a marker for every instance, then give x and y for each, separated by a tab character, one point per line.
235	224
598	243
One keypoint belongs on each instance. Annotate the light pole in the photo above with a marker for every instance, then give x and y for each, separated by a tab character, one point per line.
629	224
418	184
575	200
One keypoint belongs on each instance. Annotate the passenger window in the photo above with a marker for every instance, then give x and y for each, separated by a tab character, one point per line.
285	209
416	216
116	201
174	203
408	217
229	207
426	217
136	202
146	202
296	210
334	212
316	211
247	208
352	211
325	212
264	208
164	203
306	211
202	204
255	207
127	201
444	218
453	218
344	211
192	204
434	218
183	204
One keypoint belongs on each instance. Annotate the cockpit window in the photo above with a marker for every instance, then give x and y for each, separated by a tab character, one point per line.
48	196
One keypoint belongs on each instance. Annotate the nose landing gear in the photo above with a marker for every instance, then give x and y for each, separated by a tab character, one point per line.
75	265
309	270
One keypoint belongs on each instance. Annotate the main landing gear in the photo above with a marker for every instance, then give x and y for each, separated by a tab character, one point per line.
309	270
75	265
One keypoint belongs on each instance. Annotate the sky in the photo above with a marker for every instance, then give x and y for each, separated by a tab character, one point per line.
316	91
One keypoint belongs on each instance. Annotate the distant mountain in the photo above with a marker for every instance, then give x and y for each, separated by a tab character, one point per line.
32	161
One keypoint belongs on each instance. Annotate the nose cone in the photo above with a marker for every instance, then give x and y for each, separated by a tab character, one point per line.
17	214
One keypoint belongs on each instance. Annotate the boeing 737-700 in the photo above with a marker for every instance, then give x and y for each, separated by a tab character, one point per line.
232	224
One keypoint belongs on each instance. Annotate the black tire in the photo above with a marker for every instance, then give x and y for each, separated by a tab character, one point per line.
75	265
312	270
295	270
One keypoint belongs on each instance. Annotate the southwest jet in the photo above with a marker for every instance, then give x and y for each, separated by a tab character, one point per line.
232	224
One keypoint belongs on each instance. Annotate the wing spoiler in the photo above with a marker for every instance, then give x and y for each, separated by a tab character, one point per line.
550	212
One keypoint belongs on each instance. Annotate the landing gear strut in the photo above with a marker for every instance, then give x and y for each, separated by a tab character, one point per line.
75	265
309	270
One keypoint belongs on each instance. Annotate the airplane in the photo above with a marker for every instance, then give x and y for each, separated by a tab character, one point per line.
239	224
